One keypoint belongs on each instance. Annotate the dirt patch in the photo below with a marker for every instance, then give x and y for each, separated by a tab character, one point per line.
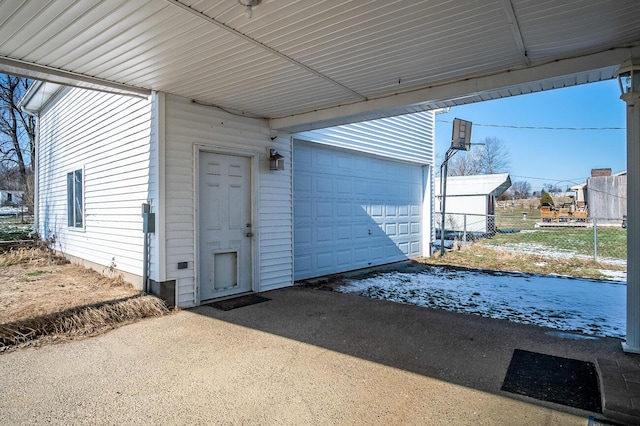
44	298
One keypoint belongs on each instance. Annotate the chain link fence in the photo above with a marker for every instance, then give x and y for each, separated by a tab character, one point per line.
603	240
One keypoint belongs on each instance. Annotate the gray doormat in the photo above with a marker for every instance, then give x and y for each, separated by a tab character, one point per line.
550	378
238	302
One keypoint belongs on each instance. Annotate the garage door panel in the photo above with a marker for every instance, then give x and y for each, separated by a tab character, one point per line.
323	234
360	255
323	186
303	211
344	233
362	232
344	258
303	156
303	182
302	236
415	228
377	254
303	264
323	159
323	210
344	163
415	248
343	186
391	230
324	259
375	211
352	211
343	210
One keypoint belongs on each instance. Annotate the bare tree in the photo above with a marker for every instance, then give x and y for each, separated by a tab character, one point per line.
17	131
521	189
465	164
489	157
551	188
494	156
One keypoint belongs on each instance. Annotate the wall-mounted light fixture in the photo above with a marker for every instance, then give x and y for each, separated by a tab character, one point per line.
276	160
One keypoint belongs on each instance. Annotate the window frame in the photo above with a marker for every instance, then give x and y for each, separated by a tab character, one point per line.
76	199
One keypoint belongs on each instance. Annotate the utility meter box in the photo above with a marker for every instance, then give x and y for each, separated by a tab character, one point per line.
148	219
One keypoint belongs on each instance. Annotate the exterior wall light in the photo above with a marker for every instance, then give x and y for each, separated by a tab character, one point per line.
629	79
276	160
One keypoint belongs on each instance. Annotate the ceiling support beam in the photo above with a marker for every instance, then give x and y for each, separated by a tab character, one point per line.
517	34
67	78
264	47
608	60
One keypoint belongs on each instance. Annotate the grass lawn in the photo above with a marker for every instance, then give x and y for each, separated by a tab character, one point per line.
612	242
562	250
480	256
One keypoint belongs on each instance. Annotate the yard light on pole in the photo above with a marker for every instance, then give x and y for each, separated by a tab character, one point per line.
460	140
629	79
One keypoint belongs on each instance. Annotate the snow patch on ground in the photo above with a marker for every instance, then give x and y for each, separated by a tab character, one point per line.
578	305
614	275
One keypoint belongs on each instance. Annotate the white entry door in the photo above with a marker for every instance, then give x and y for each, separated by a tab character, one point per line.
225	227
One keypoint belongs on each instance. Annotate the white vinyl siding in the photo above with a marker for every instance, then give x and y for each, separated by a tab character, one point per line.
409	137
190	126
107	137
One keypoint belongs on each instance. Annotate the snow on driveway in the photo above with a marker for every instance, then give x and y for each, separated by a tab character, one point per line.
569	304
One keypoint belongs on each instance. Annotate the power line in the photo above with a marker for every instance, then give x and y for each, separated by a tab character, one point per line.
574	181
504	126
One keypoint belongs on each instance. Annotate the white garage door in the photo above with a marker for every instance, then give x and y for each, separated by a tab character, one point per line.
352	211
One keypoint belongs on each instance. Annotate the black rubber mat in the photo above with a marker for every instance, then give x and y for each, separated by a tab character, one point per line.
238	302
550	378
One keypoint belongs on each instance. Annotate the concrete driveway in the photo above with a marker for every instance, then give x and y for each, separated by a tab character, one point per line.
304	357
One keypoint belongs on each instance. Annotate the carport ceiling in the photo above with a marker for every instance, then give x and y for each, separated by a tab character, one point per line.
306	64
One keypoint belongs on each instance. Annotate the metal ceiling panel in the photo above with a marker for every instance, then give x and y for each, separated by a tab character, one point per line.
390	44
552	28
295	58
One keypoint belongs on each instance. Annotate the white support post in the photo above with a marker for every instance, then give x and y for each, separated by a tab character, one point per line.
632	343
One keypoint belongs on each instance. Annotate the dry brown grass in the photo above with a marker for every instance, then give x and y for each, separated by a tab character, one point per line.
81	321
44	297
480	257
31	256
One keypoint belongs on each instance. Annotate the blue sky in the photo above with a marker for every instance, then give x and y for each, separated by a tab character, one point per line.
560	157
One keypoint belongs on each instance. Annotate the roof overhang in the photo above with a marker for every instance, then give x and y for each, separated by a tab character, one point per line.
38	95
67	78
494	184
511	82
307	65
